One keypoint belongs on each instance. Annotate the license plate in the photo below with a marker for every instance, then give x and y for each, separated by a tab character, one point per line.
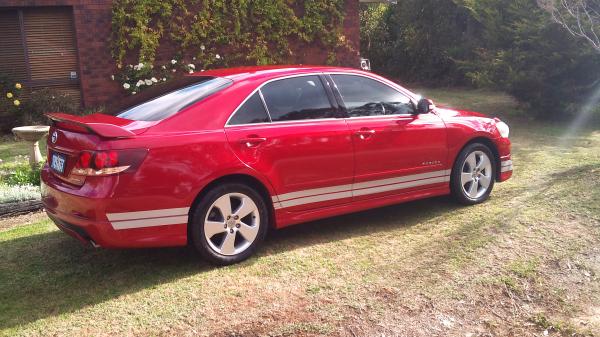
57	162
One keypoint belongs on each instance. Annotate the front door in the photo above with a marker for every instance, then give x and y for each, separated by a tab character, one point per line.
289	132
396	150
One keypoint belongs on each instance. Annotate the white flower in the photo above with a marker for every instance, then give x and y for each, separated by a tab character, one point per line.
191	71
174	70
112	77
153	79
126	86
202	70
202	47
218	57
191	65
130	66
148	82
141	65
164	79
173	61
194	58
152	66
164	67
133	93
139	83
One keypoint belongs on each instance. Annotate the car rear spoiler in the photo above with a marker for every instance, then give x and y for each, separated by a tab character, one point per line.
102	125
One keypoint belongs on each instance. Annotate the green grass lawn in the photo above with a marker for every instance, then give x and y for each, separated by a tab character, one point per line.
525	262
10	148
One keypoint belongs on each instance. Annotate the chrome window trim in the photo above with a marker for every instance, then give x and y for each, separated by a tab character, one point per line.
227	125
264	103
284	123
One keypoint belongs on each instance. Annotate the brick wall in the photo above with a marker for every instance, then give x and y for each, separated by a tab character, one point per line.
92	19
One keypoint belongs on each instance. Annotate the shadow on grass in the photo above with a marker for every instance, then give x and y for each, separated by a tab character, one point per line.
50	274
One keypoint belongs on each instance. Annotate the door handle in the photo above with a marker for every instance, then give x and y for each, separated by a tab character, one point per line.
365	133
252	141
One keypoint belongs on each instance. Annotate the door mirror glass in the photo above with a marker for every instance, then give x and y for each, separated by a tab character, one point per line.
424	106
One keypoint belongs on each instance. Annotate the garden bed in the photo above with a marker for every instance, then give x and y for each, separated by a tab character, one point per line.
19	183
9	209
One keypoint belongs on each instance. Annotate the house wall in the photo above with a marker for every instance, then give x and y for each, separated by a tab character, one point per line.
92	19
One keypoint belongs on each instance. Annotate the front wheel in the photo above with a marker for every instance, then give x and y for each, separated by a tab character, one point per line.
473	174
229	223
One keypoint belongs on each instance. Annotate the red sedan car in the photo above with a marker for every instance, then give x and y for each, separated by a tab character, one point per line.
229	153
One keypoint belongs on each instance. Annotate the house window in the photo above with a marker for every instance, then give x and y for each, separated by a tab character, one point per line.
39	50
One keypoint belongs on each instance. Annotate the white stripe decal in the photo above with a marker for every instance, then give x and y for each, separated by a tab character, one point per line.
148	214
313	192
402	179
318	198
401	186
152	222
358	189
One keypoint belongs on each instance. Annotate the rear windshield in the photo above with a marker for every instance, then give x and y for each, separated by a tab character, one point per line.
190	91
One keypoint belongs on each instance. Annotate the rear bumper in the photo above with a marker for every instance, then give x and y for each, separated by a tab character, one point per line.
84	218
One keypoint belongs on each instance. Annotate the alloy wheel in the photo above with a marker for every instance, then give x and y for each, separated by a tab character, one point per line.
232	224
476	174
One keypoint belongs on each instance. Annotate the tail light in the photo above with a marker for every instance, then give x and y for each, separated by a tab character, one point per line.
103	163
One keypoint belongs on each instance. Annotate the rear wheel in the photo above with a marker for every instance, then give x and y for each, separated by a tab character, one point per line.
229	223
473	174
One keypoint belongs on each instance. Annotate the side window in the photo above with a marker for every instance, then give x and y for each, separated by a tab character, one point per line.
251	112
366	97
297	98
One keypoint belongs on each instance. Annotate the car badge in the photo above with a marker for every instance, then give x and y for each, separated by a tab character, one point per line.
54	137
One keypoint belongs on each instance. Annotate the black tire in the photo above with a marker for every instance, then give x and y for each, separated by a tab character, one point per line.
197	229
458	192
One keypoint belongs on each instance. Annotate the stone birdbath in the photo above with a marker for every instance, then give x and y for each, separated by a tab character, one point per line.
32	134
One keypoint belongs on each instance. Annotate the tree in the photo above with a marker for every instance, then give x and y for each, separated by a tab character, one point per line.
580	17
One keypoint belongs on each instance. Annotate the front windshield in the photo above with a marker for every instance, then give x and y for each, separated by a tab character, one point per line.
167	105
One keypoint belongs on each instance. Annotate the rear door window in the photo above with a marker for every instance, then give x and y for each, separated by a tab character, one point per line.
251	112
367	97
169	104
298	98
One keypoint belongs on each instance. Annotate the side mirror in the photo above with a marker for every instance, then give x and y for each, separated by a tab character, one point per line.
424	106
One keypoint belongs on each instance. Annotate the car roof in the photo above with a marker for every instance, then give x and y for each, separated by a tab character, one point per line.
266	72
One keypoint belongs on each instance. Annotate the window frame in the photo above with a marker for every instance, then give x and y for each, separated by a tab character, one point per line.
327	90
339	97
262	100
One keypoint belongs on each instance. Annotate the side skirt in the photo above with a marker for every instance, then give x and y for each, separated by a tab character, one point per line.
285	219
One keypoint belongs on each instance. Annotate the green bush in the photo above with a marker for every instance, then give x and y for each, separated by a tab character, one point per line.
23	174
46	100
511	45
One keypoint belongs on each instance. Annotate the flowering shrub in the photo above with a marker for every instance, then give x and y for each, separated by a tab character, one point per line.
11	95
252	32
135	78
18	181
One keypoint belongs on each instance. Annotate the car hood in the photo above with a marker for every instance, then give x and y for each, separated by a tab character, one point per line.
444	112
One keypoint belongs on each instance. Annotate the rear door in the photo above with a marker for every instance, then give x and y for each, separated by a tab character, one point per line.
288	131
396	150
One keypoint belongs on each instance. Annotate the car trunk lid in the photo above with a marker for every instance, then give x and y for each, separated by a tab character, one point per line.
70	136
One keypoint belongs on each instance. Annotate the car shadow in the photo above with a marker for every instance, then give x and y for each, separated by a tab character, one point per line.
49	274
